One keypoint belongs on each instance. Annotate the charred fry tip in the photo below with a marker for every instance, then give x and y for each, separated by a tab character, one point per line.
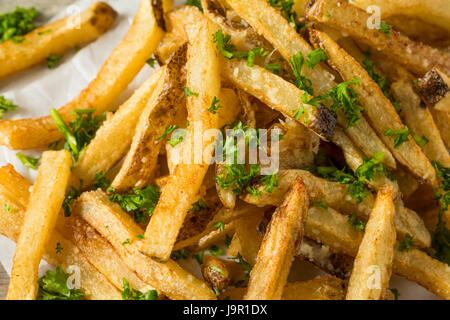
158	10
431	87
325	123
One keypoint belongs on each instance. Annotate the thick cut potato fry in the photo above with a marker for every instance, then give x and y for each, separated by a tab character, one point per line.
114	137
355	159
333	229
270	23
336	196
417	57
118	227
78	236
168	98
246	239
319	288
377	108
119	70
419	119
436	12
280	95
203	77
373	263
283	236
40	220
56	38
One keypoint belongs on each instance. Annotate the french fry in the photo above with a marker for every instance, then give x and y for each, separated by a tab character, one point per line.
282	238
118	227
246	240
319	288
114	137
376	252
377	107
417	57
269	22
40	220
333	229
203	77
280	95
336	196
355	159
119	70
56	38
167	98
15	192
420	121
436	12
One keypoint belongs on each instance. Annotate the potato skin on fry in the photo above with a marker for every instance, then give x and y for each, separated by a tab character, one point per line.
215	271
276	254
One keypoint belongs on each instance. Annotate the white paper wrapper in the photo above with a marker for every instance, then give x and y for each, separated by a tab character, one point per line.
39	89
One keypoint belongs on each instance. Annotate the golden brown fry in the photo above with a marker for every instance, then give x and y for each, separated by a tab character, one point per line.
269	22
377	107
56	38
78	236
337	196
436	12
203	77
114	137
119	70
333	229
167	99
419	119
122	233
40	220
373	263
246	239
416	57
282	238
319	288
280	95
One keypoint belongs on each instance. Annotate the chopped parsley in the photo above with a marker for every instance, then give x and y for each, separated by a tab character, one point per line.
406	244
215	251
228	240
79	132
100	180
402	136
127	241
218	270
315	57
255	52
301	82
58	249
188	92
53	286
195	3
53	59
220	225
271	182
167	131
215	106
14	25
274	67
321	204
371	167
140	204
386	28
395	292
421	142
5	106
199	206
133	294
345	99
41	33
286	9
152	62
7	207
28	161
199	257
180	254
70	198
356	223
140	237
247	267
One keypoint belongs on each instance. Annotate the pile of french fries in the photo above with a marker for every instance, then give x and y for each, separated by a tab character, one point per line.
250	63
